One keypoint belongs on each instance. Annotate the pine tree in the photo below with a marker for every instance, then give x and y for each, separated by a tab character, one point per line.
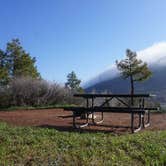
73	83
134	69
20	63
4	75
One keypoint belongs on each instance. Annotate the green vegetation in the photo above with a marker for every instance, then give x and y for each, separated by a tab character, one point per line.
73	83
15	62
134	69
163	109
37	146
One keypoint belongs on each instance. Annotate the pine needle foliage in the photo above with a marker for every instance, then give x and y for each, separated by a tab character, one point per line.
134	69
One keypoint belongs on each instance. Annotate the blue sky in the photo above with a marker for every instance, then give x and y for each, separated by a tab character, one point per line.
86	36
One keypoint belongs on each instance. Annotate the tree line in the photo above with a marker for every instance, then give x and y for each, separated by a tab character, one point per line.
22	85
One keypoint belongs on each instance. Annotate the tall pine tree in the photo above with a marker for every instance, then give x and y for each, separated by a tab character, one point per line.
134	69
20	63
15	62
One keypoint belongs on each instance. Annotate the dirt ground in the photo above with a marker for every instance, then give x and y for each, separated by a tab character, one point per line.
62	120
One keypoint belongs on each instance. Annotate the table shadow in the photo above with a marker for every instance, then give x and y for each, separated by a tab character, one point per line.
90	129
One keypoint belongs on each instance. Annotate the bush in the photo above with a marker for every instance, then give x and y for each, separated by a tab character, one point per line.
5	96
26	91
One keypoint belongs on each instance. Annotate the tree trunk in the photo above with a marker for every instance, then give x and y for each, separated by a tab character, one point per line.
132	89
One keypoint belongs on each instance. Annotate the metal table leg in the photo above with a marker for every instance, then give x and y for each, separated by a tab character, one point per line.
146	124
79	126
133	130
97	122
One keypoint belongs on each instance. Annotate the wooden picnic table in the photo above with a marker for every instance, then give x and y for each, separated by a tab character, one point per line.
126	107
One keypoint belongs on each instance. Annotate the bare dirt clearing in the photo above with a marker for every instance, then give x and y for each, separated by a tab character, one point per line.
62	120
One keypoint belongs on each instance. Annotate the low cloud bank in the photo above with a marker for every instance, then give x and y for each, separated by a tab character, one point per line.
154	55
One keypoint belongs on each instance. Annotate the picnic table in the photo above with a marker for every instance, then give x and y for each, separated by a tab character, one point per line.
129	106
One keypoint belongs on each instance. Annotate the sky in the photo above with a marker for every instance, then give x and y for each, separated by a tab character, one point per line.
85	36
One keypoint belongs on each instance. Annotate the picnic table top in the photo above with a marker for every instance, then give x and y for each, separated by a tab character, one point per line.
90	95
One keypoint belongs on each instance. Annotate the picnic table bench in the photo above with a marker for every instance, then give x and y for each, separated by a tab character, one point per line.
126	107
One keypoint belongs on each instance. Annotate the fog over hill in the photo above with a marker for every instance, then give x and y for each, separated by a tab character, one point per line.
110	80
154	55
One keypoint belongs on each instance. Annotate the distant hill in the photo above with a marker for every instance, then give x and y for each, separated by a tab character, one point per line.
156	84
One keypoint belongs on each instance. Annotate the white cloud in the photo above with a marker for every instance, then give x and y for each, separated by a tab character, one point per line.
153	55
